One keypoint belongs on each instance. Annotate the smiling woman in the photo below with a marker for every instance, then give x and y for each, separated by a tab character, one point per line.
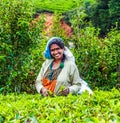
57	71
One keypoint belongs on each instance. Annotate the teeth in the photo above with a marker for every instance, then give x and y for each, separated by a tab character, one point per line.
57	55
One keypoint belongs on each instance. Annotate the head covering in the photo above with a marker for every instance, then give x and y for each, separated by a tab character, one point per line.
53	40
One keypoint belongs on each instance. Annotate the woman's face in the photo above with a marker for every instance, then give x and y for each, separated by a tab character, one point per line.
56	52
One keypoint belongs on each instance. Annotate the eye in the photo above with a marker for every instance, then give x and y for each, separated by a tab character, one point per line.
52	50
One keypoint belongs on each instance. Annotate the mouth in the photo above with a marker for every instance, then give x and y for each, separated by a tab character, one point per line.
57	55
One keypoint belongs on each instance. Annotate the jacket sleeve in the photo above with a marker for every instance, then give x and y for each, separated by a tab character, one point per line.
38	83
75	80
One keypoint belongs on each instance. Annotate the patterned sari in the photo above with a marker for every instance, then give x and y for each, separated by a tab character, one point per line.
50	78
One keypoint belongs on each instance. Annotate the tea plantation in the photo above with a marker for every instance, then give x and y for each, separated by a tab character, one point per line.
101	107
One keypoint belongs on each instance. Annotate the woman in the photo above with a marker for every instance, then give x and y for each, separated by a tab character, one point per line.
58	75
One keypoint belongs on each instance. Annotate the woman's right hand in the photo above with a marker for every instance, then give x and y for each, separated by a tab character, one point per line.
44	91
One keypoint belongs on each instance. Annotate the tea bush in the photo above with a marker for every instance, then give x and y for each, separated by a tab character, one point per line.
18	34
103	107
60	6
97	58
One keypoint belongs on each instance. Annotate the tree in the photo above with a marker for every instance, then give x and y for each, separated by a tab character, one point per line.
104	14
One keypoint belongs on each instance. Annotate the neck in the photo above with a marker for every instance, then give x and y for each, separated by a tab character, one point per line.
57	61
56	64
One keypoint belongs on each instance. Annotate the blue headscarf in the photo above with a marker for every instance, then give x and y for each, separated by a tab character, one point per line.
52	40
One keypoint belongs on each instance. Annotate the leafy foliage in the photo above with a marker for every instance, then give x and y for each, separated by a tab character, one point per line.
97	58
18	34
104	14
102	107
60	6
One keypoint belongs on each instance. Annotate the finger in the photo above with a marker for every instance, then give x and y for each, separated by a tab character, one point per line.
45	94
66	91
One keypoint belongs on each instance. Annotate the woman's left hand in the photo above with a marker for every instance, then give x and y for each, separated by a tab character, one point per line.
64	92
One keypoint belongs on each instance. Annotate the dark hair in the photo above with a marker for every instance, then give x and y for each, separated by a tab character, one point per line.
57	41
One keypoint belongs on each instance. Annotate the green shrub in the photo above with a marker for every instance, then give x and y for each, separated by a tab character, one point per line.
18	34
103	107
31	66
97	58
103	14
60	6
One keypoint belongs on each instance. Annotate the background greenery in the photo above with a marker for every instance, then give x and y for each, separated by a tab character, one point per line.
96	40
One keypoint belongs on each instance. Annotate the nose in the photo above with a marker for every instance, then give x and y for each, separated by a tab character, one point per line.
55	51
